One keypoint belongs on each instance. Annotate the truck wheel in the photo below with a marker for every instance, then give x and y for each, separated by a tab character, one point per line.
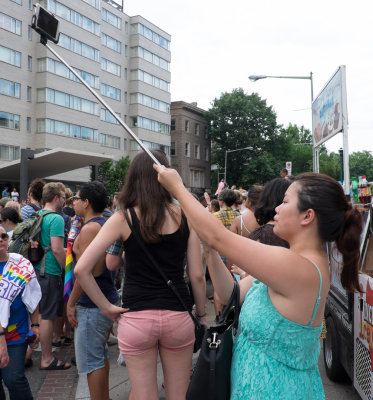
333	366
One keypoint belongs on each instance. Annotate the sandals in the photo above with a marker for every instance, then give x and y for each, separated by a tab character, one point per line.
54	366
57	344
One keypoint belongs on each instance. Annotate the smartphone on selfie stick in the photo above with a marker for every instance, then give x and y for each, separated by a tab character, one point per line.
47	25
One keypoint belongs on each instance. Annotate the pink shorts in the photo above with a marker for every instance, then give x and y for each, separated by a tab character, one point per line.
141	331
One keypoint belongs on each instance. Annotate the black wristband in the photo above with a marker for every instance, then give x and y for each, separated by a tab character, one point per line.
35	325
2	333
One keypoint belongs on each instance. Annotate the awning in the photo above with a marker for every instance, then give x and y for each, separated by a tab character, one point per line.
52	162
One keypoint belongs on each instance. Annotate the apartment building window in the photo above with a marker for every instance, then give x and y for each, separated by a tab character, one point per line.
125	50
30	4
139	98
187	149
108	117
206	132
46	125
28	124
196	129
110	67
67	100
196	178
151	125
10	121
151	35
111	19
10	56
125	73
29	63
17	1
138	74
173	149
28	93
9	153
110	42
93	3
29	32
197	154
125	97
150	145
9	88
125	144
173	125
207	154
186	126
72	16
56	67
150	57
126	26
79	47
10	24
110	91
109	141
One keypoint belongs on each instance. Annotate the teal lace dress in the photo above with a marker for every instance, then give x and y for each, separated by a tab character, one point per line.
274	358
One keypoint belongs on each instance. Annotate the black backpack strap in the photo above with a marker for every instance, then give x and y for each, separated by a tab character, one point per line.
155	264
34	206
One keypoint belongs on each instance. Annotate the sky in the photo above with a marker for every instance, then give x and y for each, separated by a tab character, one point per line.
217	44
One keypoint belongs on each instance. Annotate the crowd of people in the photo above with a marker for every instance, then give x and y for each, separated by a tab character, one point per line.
267	238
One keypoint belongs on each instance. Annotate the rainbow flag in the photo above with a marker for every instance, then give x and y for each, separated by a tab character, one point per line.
69	276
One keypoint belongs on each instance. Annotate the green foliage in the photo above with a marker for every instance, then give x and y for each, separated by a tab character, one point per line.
361	163
113	173
235	121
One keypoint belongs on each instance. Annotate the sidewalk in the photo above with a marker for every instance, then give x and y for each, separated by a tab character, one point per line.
68	385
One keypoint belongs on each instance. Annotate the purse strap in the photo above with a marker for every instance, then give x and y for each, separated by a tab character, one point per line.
234	302
155	264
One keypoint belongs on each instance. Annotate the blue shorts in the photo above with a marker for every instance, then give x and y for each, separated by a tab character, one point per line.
91	335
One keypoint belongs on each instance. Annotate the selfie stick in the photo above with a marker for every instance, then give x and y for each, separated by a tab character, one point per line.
43	41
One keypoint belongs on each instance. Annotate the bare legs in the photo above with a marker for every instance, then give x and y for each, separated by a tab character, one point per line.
142	371
98	383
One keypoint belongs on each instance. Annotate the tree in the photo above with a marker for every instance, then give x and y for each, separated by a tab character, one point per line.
361	163
237	120
113	173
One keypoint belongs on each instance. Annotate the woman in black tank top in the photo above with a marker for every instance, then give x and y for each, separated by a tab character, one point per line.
154	321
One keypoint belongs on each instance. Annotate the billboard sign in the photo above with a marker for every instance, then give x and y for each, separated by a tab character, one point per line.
328	108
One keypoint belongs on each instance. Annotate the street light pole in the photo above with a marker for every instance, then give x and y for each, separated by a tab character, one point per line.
255	78
225	163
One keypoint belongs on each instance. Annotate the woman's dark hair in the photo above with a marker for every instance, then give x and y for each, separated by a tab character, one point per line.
337	220
271	197
11	214
36	189
142	189
215	204
253	195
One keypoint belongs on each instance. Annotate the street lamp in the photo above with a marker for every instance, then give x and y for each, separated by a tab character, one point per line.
255	78
226	154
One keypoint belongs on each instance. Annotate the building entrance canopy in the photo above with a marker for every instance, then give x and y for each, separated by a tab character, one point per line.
51	162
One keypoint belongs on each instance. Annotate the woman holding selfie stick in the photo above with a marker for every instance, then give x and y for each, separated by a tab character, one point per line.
276	353
155	321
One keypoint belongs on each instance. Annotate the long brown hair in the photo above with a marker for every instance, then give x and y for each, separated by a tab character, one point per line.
142	189
337	221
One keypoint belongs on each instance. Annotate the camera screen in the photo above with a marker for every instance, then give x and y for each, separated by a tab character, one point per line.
47	23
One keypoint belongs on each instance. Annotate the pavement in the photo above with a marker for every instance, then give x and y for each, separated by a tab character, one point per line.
68	385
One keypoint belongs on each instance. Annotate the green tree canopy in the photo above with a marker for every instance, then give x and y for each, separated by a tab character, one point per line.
113	173
361	163
237	120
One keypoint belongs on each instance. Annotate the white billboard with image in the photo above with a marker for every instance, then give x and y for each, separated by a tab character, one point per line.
328	108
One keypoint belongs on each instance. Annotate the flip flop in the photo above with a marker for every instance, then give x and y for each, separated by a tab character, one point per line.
57	344
67	342
54	366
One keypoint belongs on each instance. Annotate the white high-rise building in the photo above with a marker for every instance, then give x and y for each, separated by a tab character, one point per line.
44	107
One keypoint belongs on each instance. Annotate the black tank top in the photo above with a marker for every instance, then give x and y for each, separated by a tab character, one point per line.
144	288
105	280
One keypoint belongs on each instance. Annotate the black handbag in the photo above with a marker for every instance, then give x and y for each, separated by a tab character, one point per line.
199	328
211	376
